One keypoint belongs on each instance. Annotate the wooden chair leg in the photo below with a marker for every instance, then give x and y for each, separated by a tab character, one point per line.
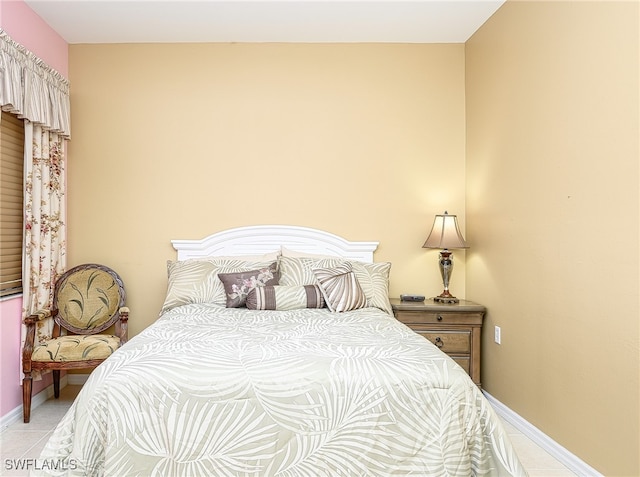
56	383
26	398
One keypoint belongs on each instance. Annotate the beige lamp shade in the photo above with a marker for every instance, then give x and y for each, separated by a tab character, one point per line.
445	233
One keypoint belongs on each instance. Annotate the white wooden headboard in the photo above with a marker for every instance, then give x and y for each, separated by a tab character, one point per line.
260	239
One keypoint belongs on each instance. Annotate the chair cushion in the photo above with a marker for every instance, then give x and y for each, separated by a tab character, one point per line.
88	298
76	348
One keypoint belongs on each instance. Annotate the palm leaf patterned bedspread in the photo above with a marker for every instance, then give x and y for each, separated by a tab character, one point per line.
213	391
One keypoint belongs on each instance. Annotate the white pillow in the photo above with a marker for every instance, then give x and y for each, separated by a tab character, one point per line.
373	277
299	271
196	280
374	280
287	252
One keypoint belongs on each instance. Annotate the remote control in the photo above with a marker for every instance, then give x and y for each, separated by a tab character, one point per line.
412	297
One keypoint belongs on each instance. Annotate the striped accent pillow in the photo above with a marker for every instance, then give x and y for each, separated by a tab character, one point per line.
340	288
285	298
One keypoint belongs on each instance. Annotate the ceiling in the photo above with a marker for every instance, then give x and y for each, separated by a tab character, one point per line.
319	21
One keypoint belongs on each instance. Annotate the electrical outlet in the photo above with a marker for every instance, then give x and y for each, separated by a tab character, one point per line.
497	337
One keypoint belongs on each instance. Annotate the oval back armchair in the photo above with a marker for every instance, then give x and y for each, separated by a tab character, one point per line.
87	300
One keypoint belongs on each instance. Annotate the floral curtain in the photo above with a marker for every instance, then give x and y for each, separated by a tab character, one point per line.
34	91
44	221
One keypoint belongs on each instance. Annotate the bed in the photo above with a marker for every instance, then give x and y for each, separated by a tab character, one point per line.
276	354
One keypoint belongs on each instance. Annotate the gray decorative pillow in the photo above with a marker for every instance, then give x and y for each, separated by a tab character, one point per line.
340	288
285	297
237	285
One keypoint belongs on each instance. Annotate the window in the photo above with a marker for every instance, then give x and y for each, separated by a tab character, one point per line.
11	203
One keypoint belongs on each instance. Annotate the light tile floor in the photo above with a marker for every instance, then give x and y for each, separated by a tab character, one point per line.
20	442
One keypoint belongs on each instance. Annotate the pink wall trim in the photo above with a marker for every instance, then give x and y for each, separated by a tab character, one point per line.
25	27
11	364
10	391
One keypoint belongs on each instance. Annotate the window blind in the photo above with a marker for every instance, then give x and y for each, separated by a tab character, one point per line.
11	203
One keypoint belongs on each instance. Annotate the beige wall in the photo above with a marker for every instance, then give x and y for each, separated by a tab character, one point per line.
177	141
368	142
553	209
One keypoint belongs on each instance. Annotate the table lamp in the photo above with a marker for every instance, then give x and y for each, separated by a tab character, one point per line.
445	235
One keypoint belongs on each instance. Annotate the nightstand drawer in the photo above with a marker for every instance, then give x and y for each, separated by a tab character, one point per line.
454	328
449	341
409	317
464	362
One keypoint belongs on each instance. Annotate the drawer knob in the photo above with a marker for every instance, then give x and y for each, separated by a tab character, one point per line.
439	343
439	317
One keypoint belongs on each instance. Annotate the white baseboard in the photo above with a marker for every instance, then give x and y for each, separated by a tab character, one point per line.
16	414
562	455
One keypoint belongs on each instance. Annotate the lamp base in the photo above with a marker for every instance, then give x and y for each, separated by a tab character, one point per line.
446	299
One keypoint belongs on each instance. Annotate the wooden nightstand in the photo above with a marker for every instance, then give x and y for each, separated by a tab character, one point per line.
454	328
